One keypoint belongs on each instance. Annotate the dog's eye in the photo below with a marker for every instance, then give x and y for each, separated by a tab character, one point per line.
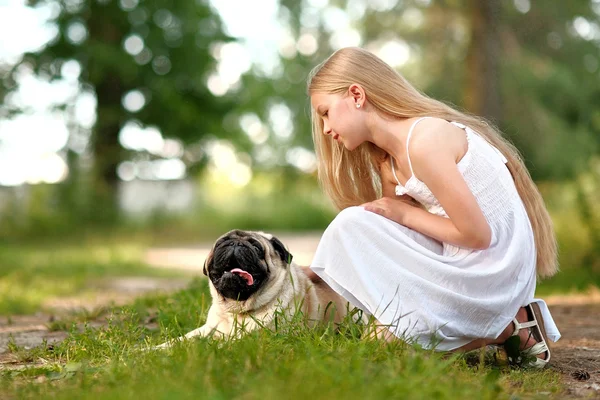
258	247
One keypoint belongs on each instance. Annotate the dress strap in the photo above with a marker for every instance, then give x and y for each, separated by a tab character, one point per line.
410	131
407	156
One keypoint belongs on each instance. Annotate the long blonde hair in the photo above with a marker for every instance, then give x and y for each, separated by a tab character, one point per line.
353	178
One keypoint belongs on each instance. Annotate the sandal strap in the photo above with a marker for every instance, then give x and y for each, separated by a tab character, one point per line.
538	363
536	349
522	325
541	346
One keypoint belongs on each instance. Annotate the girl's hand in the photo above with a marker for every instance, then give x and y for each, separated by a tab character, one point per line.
393	209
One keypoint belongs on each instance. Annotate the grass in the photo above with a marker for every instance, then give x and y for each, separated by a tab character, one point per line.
32	274
293	361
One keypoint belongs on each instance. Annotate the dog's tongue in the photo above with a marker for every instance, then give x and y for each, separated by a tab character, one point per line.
249	279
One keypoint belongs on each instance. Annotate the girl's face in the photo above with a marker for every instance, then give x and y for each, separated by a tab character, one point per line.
341	119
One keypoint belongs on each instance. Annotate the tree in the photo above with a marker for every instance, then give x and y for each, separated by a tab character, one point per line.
551	85
530	67
482	92
157	51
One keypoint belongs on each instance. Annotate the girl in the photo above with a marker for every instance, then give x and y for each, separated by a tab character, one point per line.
442	229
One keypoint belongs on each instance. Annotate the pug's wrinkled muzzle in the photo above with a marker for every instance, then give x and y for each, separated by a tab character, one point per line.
240	268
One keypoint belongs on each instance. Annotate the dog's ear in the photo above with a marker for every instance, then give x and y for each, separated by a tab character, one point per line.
207	262
285	255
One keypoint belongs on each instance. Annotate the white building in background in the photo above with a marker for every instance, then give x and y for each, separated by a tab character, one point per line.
141	199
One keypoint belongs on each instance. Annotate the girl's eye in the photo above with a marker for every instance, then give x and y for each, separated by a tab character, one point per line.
325	114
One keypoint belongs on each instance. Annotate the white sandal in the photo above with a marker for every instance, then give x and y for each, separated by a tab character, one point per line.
538	331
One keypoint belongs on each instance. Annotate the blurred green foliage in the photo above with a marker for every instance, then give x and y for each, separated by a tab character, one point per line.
531	67
169	70
274	200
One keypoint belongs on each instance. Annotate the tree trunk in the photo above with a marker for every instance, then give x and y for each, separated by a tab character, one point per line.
107	149
110	89
482	94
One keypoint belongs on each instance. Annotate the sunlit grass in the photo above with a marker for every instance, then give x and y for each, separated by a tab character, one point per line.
31	274
294	361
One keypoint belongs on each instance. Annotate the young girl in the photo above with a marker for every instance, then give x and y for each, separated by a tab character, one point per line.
442	229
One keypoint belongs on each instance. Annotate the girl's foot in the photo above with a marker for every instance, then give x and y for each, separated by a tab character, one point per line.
529	326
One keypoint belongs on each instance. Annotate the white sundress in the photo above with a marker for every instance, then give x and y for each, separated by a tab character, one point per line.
437	294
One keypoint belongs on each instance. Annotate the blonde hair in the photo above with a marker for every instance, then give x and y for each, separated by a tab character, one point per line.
353	178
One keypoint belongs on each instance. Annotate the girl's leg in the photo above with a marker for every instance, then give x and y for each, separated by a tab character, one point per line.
527	340
311	275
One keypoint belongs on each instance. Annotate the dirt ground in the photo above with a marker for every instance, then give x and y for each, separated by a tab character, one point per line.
29	331
576	355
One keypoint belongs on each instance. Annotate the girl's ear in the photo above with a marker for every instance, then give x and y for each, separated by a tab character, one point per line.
357	93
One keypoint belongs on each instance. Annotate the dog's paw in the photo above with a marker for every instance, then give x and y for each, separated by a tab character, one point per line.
165	345
146	349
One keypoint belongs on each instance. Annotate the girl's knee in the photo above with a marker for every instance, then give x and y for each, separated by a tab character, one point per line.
350	218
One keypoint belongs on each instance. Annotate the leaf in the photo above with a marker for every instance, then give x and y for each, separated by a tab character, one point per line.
512	347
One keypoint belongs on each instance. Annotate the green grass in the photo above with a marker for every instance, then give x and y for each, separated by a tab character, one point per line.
31	274
293	361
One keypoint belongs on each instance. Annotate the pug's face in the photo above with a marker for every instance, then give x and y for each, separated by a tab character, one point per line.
241	262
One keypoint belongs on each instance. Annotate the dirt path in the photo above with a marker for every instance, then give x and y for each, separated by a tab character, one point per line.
576	356
30	331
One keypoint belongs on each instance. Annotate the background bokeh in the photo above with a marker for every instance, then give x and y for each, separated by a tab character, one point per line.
174	121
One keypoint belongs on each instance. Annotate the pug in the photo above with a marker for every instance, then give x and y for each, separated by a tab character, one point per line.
252	276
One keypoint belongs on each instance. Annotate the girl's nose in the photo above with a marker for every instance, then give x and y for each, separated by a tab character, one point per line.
326	130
